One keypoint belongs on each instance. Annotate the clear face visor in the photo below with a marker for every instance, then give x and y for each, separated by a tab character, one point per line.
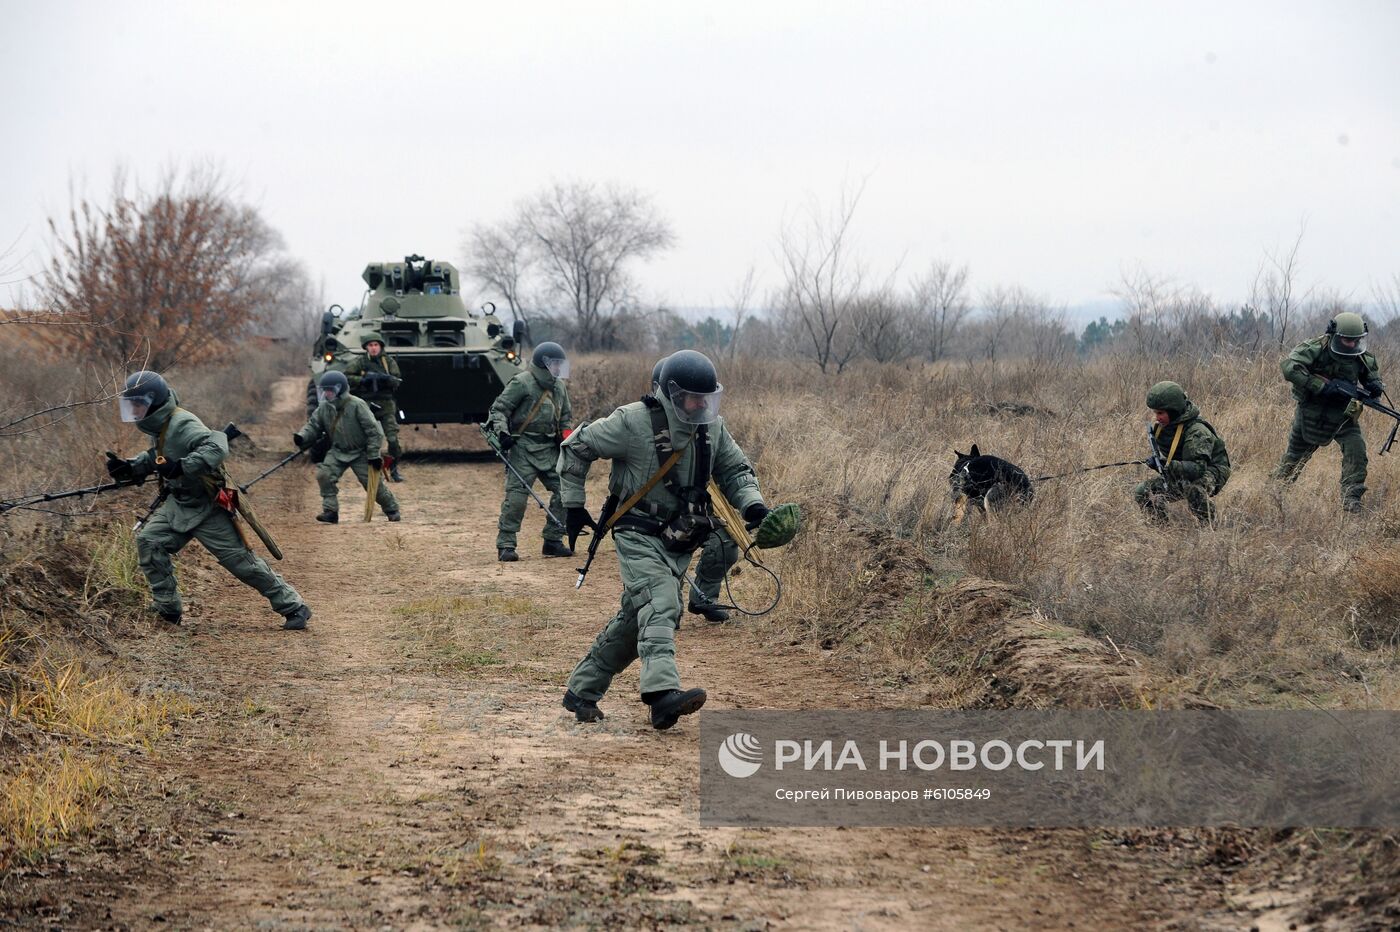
695	407
134	409
1348	346
559	368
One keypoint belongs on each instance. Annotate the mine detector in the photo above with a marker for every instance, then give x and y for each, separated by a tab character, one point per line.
454	361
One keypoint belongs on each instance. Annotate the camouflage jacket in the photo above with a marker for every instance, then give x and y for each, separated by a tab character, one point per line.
1199	454
374	379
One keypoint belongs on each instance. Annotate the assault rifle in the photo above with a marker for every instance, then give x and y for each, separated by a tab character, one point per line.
1357	393
599	532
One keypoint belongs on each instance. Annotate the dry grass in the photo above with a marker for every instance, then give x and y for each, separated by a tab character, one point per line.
1286	602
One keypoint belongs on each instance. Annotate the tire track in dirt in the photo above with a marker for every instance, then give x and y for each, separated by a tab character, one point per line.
374	771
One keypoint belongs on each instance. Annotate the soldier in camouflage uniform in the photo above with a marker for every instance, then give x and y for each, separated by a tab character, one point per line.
1195	464
375	377
188	457
664	452
347	430
1319	370
528	418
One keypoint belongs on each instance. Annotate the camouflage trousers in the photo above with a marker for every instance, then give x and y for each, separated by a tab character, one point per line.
158	541
1154	494
645	625
1303	442
328	474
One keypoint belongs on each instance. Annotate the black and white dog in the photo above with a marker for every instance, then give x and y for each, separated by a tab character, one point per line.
987	482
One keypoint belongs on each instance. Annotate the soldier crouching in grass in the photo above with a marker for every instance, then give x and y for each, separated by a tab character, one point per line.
1193	463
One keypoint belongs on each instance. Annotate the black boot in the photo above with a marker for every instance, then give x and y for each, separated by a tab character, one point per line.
585	710
507	555
329	517
556	548
394	473
167	616
667	707
393	516
709	610
297	618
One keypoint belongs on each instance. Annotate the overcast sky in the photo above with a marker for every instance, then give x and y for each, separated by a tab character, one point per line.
1050	145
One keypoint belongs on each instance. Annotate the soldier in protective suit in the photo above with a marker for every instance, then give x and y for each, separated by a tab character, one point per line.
188	457
1195	464
1319	371
716	557
375	377
345	430
528	418
664	452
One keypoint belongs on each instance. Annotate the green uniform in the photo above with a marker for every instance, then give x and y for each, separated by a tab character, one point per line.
375	380
190	511
716	557
645	625
535	409
1198	465
1319	420
355	438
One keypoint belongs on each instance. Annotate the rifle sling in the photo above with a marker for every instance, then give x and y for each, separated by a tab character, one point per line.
534	411
637	496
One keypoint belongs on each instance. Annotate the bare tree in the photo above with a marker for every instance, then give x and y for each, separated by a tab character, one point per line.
574	241
740	309
822	282
500	258
939	304
1274	291
885	325
170	274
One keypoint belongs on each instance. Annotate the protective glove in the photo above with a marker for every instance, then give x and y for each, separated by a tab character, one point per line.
754	515
1374	388
388	462
506	439
1154	463
170	469
1339	388
120	469
575	521
297	441
376	462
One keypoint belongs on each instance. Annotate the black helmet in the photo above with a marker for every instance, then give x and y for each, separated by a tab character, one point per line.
550	356
144	392
334	382
688	379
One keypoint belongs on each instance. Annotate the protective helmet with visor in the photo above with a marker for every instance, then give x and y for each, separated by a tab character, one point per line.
331	386
551	358
144	392
689	381
1348	334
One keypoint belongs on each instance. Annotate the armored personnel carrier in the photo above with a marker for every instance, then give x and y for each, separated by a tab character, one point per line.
454	361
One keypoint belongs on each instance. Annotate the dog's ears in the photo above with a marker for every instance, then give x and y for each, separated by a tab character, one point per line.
959	454
974	451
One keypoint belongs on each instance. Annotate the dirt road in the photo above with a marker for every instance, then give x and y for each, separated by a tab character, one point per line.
405	763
